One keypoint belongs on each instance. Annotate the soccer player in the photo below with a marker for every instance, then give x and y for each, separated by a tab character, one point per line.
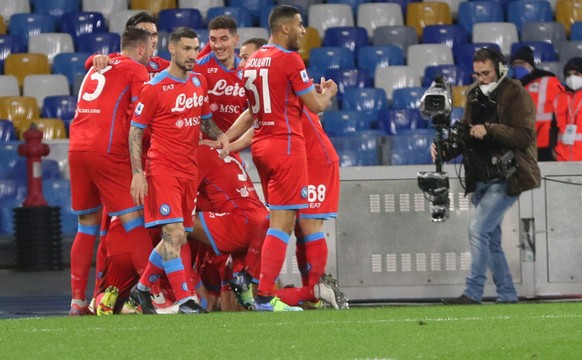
99	158
174	106
277	84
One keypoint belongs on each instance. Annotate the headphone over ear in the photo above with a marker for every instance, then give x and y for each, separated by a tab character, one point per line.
498	59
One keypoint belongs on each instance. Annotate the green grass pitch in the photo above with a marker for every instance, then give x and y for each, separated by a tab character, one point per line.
522	331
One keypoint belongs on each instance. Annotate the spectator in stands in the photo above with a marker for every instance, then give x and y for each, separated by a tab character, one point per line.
500	162
543	86
568	112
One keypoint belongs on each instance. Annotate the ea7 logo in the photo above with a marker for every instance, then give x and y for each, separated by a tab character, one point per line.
212	70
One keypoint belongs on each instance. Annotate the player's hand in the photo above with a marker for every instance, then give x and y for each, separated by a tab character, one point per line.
328	86
207	142
100	61
139	188
478	131
223	144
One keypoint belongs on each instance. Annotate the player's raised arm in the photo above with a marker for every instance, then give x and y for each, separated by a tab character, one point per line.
319	101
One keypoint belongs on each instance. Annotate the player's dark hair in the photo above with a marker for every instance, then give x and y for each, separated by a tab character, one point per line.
133	36
141	17
258	42
487	53
182	32
223	22
281	14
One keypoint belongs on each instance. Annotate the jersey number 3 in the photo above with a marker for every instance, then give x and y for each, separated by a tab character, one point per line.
251	76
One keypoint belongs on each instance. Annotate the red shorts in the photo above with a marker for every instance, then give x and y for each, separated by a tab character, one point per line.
119	272
284	180
97	179
323	190
170	200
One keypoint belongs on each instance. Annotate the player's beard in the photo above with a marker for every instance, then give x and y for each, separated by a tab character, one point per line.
294	42
187	66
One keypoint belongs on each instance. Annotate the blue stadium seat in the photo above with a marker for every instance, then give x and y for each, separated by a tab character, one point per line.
50	169
325	58
412	148
397	121
457	114
61	107
472	12
346	123
371	57
450	35
453	74
407	98
30	24
348	78
463	53
202	37
576	31
524	11
7	131
8	190
10	44
168	19
551	32
99	43
400	35
264	16
10	159
241	15
70	65
350	37
367	100
542	50
78	24
360	149
56	8
353	3
7	215
57	192
254	7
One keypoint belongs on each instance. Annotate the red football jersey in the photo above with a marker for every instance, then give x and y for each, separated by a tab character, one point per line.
155	64
224	185
317	143
274	79
173	108
104	107
226	93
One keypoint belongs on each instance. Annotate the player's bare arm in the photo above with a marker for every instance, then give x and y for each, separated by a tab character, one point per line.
100	61
139	187
209	127
317	101
243	123
243	141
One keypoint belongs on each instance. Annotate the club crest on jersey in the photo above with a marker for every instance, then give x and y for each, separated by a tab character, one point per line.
153	65
304	192
138	108
240	74
304	76
196	81
165	209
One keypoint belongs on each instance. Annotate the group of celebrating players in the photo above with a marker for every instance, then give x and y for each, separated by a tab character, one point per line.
155	173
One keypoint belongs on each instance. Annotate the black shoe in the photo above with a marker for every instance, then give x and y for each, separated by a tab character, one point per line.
143	299
241	285
191	307
503	302
461	300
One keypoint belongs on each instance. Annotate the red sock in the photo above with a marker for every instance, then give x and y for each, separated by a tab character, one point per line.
272	258
177	277
295	296
316	256
186	256
140	243
81	258
153	270
301	257
100	263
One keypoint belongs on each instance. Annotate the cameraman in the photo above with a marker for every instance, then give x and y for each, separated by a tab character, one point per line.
499	155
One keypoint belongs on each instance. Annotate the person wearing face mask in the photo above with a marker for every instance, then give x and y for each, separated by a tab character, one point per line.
543	87
499	156
568	113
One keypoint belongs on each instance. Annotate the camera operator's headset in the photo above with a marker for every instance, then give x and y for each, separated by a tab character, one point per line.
500	65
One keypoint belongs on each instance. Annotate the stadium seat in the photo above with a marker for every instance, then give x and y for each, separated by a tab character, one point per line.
407	98
457	114
449	35
152	6
21	110
400	35
105	43
246	33
395	77
412	148
371	57
7	131
345	123
348	78
264	16
105	7
10	44
520	12
452	74
2	26
459	95
21	65
29	24
11	7
422	55
554	67
570	49
168	19
568	12
421	14
550	32
463	53
241	15
325	58
56	8
52	128
542	51
252	6
396	121
201	5
41	86
372	15
202	36
576	31
11	165
367	100
324	16
58	193
51	44
454	6
502	33
358	150
50	169
60	106
9	85
78	24
70	64
473	12
355	4
118	19
350	37
310	40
